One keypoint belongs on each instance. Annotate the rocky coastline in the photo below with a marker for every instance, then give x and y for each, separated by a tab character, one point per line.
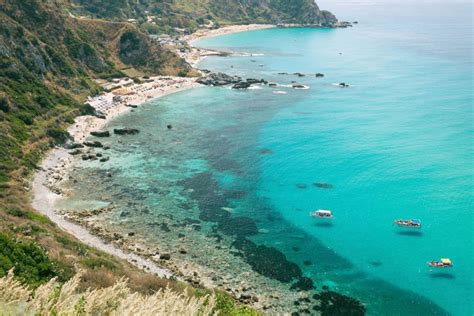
168	260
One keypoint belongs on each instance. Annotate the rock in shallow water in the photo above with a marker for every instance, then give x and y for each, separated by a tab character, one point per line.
100	133
218	79
299	86
70	145
241	85
96	144
75	152
126	131
252	81
165	256
323	185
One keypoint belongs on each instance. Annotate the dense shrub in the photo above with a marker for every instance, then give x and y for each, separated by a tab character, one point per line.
4	106
30	263
58	135
28	214
95	263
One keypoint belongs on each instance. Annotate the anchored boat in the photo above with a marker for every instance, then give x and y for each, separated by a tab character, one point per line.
321	214
415	223
443	263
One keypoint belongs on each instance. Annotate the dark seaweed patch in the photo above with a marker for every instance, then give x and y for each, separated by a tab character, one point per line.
303	284
241	226
204	190
274	217
333	303
223	164
201	184
234	194
214	214
265	151
164	227
267	261
190	221
185	205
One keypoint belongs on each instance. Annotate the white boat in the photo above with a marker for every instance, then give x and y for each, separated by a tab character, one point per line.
443	263
415	223
321	214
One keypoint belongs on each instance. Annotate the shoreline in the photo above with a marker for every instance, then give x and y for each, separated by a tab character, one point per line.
44	202
54	168
197	54
244	284
225	30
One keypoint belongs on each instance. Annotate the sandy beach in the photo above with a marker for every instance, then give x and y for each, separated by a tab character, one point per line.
196	54
208	33
46	185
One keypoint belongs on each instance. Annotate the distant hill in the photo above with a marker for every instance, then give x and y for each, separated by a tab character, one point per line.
260	11
191	13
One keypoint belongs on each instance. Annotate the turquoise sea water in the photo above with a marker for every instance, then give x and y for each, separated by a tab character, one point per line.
398	143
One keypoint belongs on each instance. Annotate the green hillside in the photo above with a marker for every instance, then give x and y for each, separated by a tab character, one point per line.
48	63
258	11
51	53
169	14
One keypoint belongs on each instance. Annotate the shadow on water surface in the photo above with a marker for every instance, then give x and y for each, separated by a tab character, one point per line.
442	275
410	233
324	224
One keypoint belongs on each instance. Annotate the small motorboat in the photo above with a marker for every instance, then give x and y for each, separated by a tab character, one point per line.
321	214
415	223
443	263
